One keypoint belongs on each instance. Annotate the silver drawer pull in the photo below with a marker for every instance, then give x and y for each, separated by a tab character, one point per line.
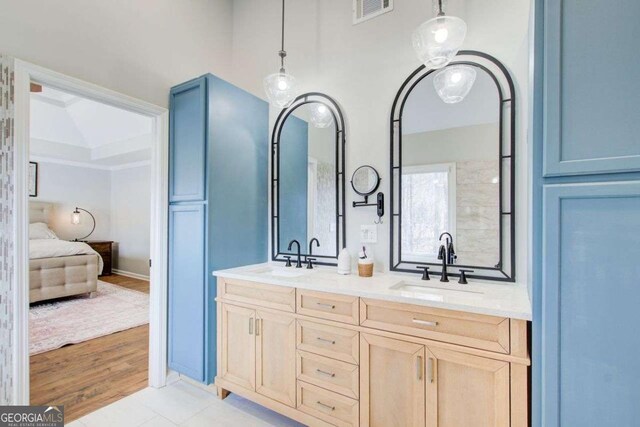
326	340
424	322
324	405
329	374
250	326
324	304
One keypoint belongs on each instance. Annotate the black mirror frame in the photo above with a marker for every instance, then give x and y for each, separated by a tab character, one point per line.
341	238
507	95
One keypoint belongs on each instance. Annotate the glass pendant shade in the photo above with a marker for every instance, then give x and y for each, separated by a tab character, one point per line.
438	40
281	89
454	83
321	116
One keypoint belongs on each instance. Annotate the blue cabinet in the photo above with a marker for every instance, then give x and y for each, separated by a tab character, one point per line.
591	87
188	135
586	214
590	304
186	291
218	208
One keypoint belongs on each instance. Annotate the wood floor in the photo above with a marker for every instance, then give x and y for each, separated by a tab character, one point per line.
87	376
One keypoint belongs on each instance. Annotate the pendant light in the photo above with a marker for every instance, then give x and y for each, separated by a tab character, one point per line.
454	83
281	87
438	40
321	116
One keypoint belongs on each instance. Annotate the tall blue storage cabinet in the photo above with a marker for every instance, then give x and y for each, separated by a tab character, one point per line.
587	214
218	208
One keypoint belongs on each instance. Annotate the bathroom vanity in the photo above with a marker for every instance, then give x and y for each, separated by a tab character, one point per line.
391	350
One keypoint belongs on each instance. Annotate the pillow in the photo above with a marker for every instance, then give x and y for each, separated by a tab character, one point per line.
40	230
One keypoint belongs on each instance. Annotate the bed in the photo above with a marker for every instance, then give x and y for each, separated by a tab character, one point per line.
58	268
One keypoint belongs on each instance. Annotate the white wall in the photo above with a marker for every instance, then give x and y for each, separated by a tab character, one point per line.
119	199
140	48
363	66
70	186
130	216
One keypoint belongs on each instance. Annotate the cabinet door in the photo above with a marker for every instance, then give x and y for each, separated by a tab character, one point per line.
276	356
590	299
188	141
186	262
465	390
392	382
591	87
238	351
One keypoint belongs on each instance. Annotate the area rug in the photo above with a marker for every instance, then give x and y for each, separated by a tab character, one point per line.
74	320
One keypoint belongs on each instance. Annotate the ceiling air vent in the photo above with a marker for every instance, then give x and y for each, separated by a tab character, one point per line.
364	10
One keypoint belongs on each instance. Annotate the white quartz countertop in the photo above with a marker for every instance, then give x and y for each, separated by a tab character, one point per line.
490	298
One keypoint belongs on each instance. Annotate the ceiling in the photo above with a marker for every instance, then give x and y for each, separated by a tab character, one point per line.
69	128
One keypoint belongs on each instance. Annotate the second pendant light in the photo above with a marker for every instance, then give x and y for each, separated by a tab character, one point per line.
438	40
281	87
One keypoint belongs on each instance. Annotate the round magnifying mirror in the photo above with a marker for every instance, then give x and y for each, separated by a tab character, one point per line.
365	180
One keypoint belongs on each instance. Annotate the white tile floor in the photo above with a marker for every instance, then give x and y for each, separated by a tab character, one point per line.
182	404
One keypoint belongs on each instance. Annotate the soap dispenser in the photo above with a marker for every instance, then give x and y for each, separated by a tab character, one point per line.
344	262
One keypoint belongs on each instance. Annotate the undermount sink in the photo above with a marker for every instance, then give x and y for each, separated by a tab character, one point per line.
281	271
414	287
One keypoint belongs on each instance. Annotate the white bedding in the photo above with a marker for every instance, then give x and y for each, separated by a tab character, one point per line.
53	248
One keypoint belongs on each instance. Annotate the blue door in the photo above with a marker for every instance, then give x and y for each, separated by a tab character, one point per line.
187	289
591	304
188	141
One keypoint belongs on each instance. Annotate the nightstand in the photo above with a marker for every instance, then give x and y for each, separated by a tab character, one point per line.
104	248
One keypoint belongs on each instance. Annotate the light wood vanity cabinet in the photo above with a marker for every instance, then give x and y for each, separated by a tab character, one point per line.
259	352
392	382
334	360
466	390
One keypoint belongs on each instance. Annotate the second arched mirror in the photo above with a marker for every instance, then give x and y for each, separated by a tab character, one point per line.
307	178
453	170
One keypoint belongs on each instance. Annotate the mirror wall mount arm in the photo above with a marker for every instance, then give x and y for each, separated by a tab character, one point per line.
379	204
340	162
489	64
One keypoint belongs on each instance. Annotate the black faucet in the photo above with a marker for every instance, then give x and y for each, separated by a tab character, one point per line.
308	257
311	244
299	262
447	254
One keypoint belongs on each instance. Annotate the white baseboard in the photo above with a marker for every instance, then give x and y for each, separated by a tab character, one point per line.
130	274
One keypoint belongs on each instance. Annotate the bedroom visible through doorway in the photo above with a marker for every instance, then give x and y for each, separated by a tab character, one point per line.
90	186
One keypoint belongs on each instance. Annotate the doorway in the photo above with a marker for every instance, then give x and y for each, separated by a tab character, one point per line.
25	75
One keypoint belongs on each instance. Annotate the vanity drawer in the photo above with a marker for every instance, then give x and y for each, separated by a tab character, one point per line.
330	341
331	407
269	296
334	375
467	329
341	308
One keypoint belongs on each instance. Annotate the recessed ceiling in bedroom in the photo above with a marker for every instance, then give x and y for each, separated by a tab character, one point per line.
69	128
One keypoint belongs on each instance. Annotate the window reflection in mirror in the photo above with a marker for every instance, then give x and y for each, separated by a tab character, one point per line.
307	180
450	173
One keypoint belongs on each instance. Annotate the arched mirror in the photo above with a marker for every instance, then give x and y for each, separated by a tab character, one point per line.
307	177
453	169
